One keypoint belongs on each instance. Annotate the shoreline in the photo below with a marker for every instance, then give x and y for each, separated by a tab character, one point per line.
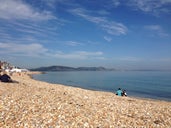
101	90
33	103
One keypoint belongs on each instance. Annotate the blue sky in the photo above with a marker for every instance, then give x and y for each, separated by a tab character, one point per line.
122	34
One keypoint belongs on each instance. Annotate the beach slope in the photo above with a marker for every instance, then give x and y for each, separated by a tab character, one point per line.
36	104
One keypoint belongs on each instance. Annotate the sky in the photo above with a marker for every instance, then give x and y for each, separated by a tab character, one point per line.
121	34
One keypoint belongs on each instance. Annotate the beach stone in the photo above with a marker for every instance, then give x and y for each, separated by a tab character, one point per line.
36	104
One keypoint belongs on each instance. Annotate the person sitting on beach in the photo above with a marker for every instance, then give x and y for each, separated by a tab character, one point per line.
124	93
5	78
119	92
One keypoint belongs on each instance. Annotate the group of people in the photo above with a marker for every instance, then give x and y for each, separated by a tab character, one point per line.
6	70
121	92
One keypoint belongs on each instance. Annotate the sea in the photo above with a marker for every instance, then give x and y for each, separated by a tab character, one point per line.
142	84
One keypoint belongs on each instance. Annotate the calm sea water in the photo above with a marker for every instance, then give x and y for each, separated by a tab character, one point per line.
146	84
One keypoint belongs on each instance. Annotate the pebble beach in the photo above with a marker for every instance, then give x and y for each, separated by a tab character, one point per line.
34	104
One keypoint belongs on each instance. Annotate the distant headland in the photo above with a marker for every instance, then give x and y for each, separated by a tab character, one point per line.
66	68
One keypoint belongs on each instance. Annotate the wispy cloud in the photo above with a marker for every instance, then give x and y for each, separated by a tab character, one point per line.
73	43
51	3
22	49
103	12
54	3
116	3
17	9
156	30
38	29
38	50
25	31
79	55
164	60
107	38
155	7
111	27
130	59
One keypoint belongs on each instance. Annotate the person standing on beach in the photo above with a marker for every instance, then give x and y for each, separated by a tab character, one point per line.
119	92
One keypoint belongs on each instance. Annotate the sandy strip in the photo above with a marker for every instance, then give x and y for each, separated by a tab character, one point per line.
36	104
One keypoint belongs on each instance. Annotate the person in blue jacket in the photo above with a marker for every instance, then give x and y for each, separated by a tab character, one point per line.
119	92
